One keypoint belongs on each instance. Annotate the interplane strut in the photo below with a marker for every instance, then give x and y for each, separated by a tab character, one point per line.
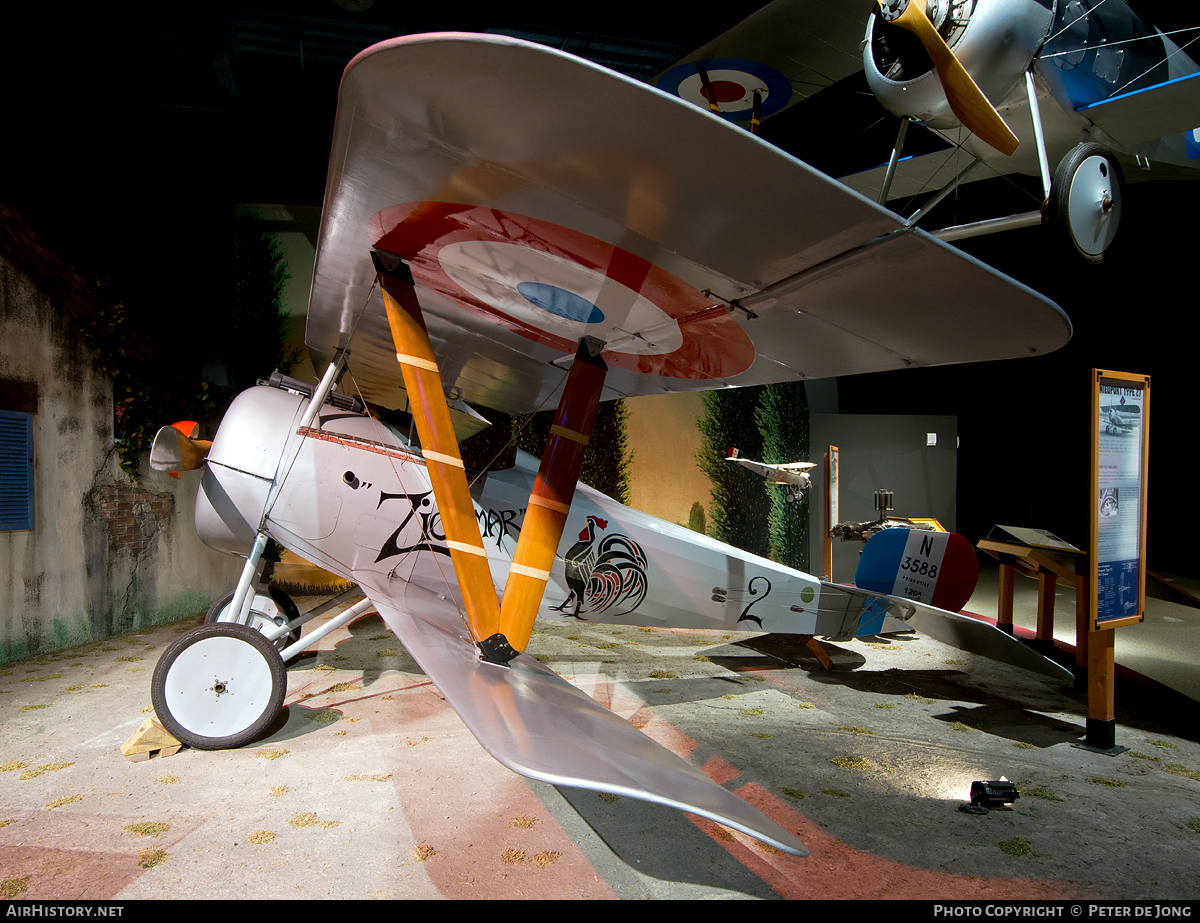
501	629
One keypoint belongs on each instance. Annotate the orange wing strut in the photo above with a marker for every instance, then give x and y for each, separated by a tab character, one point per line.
553	490
440	447
501	631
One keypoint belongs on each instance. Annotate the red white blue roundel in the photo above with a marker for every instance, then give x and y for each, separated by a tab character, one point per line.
733	81
555	285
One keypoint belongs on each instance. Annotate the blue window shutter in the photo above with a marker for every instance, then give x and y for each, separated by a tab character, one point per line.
16	471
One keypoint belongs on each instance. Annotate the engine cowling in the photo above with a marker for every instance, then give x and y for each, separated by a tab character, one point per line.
995	40
242	465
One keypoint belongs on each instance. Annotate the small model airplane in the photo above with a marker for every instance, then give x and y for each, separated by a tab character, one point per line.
793	477
488	237
1012	86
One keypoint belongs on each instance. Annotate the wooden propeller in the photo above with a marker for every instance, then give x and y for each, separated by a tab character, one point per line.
966	99
176	448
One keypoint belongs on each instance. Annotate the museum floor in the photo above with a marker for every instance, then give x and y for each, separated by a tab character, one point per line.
1165	648
369	786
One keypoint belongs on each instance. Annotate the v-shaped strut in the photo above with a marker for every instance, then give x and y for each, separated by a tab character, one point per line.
501	629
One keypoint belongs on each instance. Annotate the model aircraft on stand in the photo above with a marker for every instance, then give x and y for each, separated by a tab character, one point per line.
1010	86
510	225
793	477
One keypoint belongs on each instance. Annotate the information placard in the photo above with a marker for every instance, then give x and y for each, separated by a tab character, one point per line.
1120	453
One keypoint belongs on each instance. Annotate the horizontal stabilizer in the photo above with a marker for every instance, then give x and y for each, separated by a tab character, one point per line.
986	640
539	725
848	612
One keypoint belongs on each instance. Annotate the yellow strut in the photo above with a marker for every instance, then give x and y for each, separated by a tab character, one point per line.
553	490
440	448
501	631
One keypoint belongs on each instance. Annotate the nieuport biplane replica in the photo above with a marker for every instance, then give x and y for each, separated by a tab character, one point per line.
997	86
509	225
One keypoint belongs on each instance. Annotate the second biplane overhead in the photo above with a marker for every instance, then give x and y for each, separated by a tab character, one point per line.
486	237
1001	86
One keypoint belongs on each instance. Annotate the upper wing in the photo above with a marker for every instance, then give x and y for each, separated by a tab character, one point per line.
802	50
539	725
789	49
538	198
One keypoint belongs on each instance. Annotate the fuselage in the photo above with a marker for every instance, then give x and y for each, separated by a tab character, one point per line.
350	495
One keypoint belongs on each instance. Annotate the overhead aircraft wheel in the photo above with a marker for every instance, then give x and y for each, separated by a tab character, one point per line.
218	686
268	610
1085	201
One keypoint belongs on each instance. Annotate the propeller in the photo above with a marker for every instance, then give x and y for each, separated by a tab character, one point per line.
965	98
176	448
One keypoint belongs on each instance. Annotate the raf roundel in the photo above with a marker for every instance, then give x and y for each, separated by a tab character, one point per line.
555	285
733	82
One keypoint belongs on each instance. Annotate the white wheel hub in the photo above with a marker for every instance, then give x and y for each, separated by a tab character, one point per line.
1094	207
218	687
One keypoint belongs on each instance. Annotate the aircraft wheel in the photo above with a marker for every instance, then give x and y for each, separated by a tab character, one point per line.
218	686
1085	201
267	610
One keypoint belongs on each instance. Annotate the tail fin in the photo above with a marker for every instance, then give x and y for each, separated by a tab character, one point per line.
936	568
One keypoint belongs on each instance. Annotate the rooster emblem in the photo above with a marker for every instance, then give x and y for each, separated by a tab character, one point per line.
603	573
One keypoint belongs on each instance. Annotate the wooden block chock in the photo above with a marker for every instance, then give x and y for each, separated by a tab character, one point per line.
149	737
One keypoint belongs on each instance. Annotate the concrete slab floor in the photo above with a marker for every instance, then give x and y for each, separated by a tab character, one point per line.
368	786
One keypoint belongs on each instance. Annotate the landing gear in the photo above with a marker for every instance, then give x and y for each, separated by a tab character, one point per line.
267	610
1085	201
219	686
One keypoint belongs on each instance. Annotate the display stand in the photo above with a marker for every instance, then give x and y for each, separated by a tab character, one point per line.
1120	456
1041	554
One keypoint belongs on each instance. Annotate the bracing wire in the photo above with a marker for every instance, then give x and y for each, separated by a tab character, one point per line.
292	461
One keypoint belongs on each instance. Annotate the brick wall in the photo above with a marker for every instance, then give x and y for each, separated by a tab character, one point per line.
132	516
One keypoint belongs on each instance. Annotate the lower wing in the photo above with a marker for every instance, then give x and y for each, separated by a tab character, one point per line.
539	725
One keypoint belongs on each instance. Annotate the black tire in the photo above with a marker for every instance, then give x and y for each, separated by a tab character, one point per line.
1081	223
285	604
218	686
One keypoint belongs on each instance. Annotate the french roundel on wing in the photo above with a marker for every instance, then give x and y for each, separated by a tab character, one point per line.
555	285
733	81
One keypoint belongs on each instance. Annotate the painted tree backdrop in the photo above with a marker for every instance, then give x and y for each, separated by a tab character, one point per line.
769	424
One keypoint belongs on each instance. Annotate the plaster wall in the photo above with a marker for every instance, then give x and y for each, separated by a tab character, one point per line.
105	554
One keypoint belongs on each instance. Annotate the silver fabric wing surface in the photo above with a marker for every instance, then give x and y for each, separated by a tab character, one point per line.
566	200
539	725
